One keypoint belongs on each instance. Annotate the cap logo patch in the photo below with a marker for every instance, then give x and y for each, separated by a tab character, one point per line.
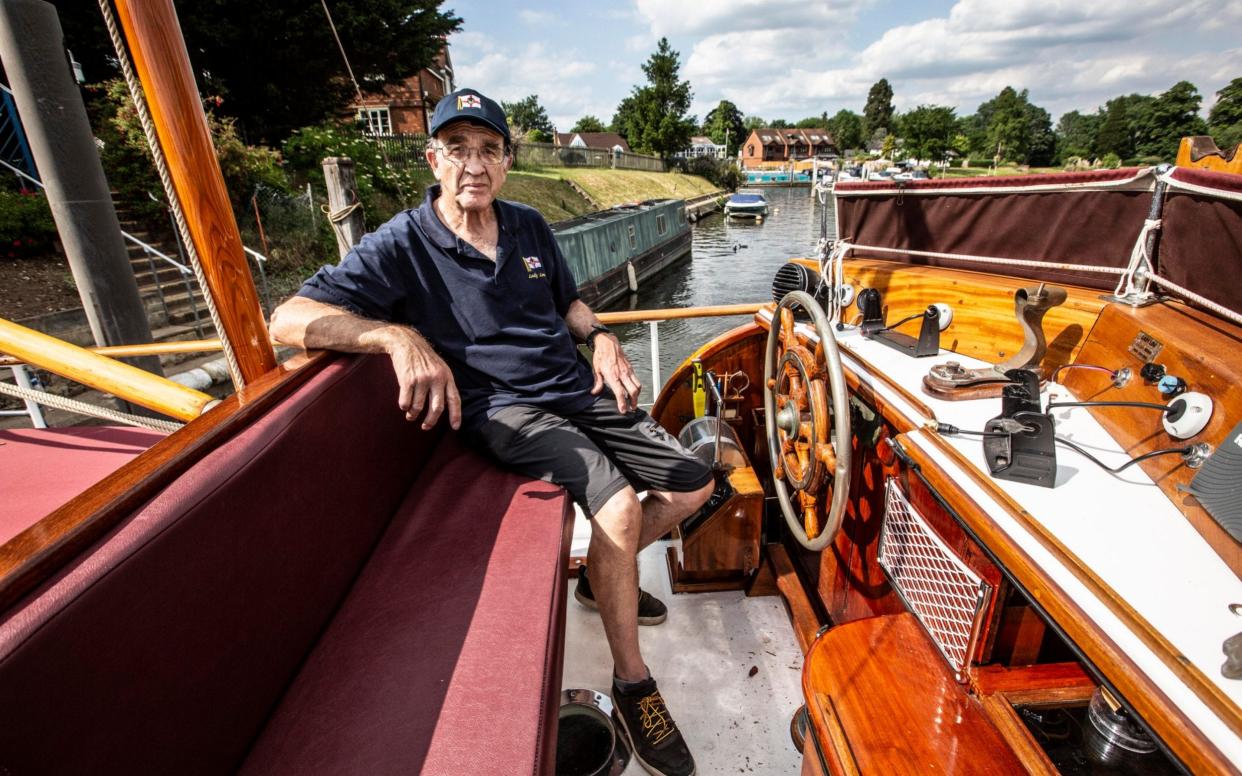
468	101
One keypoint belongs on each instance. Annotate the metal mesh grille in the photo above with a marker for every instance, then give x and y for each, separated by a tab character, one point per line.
943	593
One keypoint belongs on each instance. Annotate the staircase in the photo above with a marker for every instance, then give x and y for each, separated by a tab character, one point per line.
173	300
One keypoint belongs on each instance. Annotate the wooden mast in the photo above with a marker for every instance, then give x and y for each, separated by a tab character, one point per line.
154	37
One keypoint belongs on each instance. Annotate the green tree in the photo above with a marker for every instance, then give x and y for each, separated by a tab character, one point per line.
753	122
1076	133
1042	147
846	128
1008	126
780	124
589	124
974	129
813	122
274	64
656	117
928	131
1225	118
878	114
1114	135
1173	115
528	119
724	122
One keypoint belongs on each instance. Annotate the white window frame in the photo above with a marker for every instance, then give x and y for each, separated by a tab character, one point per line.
377	118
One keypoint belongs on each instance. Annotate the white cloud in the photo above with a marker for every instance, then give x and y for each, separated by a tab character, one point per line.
1070	54
562	79
535	18
707	17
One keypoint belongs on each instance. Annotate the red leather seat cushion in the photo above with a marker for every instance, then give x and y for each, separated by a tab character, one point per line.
438	658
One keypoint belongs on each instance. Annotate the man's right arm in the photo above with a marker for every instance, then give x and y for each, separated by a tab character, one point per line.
422	376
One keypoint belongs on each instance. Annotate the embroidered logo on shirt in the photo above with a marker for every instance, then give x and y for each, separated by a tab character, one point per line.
468	101
534	267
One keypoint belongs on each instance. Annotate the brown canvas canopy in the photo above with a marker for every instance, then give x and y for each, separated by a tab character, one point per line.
1040	223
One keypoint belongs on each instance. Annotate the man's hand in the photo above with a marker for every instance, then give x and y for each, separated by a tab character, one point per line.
424	379
613	369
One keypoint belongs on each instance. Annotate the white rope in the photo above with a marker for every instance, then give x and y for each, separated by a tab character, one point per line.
82	408
845	246
1186	293
1135	280
1168	179
174	204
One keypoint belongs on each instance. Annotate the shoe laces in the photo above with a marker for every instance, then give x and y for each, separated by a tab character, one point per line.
656	722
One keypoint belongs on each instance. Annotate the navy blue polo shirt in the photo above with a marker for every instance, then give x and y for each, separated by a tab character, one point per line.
499	325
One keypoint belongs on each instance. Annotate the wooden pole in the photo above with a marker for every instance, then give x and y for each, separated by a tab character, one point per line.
163	65
101	373
345	211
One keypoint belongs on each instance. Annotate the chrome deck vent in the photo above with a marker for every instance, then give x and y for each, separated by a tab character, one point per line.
946	596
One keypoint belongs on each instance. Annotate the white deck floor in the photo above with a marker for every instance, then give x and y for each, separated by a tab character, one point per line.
702	657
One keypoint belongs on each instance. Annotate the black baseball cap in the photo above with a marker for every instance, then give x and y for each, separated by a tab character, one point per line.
469	105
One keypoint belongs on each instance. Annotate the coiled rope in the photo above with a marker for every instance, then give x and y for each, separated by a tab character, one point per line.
174	203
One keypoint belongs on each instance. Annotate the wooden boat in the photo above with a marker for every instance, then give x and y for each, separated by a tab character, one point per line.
747	204
286	584
612	252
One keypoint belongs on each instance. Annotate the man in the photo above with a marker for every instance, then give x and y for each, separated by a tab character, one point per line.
472	300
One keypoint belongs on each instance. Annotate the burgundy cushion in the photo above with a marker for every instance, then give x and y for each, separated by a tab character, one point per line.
166	648
42	468
445	657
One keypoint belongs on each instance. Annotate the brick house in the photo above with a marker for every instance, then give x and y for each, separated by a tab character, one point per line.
406	107
604	141
766	146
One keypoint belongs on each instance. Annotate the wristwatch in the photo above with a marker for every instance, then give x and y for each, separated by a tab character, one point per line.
598	328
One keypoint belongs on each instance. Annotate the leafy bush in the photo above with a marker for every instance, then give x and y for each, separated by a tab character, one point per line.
26	225
719	171
1110	161
383	189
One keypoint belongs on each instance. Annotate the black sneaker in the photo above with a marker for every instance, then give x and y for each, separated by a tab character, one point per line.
651	610
654	737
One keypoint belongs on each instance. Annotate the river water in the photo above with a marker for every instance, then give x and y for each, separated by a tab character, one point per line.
732	262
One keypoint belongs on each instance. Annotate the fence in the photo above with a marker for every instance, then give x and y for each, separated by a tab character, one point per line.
406	151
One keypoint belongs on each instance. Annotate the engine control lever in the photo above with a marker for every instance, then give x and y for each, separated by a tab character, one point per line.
954	382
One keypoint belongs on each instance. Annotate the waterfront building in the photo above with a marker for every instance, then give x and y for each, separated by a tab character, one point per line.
767	145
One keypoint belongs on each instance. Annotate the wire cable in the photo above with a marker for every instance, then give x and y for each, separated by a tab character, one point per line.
1127	464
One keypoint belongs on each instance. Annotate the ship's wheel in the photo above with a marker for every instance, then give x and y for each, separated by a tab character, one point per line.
808	423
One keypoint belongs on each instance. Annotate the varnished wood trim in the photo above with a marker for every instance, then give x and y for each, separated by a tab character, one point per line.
163	65
805	621
1186	741
883	377
682	373
36	553
1047	684
1010	726
840	757
642	316
149	349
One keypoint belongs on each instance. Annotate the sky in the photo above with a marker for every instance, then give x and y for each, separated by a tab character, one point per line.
791	59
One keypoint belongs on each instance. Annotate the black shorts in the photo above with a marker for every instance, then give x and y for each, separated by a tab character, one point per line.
593	453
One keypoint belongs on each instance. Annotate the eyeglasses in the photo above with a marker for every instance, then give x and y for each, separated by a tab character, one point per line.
489	155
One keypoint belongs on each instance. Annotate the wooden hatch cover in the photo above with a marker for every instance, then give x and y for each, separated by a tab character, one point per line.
882	700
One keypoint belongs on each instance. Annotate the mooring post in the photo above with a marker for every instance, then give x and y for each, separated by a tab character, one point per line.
50	105
345	213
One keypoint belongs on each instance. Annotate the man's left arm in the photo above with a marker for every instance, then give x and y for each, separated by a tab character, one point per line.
609	361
